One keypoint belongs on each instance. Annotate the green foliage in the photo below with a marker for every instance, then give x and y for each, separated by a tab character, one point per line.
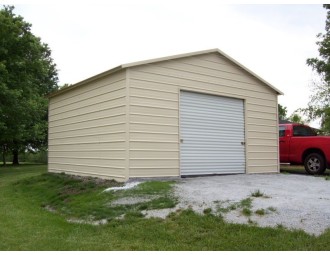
282	112
246	203
257	193
296	118
207	210
319	105
271	209
27	74
246	212
260	212
34	157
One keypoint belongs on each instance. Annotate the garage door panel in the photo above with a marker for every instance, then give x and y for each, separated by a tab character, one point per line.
211	132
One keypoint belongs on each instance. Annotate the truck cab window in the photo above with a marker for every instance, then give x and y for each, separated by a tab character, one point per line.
303	131
281	131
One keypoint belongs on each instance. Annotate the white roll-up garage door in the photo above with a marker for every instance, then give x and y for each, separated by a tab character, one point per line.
211	134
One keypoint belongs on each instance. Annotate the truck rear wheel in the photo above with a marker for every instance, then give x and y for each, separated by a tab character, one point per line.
314	164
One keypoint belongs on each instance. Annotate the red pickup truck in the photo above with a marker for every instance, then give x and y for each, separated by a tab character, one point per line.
300	145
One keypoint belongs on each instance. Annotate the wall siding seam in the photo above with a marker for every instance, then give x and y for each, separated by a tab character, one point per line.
209	82
211	68
86	113
250	152
153	167
226	60
156	90
215	76
88	135
61	163
262	138
93	104
81	93
150	123
72	157
263	145
205	90
153	115
79	99
262	118
222	93
154	158
251	103
157	107
75	129
199	73
89	150
154	82
151	132
259	124
154	98
275	158
94	142
88	120
263	165
162	150
152	141
259	131
260	111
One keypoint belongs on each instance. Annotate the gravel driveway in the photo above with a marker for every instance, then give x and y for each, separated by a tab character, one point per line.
292	201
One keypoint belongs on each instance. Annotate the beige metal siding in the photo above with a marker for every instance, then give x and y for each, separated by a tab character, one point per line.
154	111
87	129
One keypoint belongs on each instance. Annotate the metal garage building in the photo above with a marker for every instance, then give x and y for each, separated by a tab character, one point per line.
190	114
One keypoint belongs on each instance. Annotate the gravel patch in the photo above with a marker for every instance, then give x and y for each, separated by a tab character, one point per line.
293	201
132	200
128	185
88	222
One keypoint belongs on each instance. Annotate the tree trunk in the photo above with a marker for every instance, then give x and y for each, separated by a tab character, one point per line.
15	157
4	155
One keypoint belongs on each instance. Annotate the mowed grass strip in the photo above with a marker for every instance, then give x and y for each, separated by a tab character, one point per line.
26	225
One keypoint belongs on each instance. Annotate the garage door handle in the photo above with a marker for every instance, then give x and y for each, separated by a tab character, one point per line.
181	140
242	143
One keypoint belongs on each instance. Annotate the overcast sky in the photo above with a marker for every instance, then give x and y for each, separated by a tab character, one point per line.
273	41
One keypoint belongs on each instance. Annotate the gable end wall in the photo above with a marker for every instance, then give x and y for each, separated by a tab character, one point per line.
154	112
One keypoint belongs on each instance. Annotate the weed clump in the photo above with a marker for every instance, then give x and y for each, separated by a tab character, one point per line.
260	212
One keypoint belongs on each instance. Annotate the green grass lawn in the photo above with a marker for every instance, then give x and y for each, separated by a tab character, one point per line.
26	222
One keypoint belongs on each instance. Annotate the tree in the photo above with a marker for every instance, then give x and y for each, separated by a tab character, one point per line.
296	118
282	111
27	75
319	105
